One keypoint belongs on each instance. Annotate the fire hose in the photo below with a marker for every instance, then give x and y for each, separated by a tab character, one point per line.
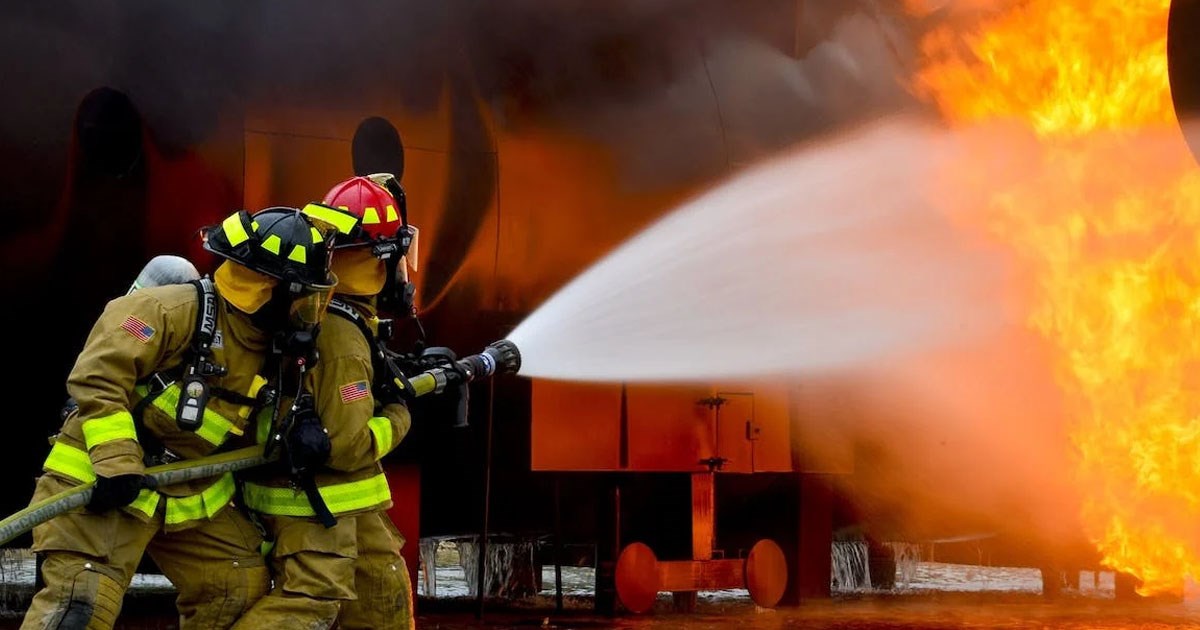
501	357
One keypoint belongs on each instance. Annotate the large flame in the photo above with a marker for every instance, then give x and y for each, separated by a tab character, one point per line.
1106	220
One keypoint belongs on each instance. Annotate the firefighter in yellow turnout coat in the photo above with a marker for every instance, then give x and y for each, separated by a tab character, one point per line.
351	572
132	365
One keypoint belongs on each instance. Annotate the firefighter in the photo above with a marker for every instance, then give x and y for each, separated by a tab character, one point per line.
339	558
173	373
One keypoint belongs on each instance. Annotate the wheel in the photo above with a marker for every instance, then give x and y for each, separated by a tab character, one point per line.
766	573
637	578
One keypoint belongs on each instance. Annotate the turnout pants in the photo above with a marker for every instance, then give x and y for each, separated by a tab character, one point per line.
89	560
313	569
351	574
381	579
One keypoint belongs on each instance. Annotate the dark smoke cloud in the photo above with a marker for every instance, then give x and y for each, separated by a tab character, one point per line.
683	91
776	70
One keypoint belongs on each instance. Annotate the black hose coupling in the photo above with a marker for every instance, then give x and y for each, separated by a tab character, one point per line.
501	357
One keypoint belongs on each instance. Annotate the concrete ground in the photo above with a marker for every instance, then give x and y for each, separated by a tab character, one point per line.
956	610
928	595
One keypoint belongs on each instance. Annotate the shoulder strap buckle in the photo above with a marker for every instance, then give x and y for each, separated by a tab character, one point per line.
193	395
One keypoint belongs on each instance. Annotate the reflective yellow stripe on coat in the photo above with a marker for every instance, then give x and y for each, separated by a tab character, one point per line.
70	461
339	498
118	426
381	429
213	428
74	463
146	502
203	505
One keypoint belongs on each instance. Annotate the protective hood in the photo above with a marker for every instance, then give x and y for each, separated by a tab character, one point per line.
245	289
358	271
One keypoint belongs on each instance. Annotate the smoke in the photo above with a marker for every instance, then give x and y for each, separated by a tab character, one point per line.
723	93
186	65
966	440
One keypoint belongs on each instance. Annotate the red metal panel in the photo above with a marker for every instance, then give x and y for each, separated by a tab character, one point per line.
292	170
576	426
405	483
701	575
668	429
772	428
703	515
731	422
814	539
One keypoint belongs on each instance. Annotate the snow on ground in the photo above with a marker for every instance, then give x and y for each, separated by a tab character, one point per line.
928	576
17	572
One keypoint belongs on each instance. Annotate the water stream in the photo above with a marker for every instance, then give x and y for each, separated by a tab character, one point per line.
827	257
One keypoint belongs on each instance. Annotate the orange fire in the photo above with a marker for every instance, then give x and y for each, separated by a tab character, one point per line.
1106	221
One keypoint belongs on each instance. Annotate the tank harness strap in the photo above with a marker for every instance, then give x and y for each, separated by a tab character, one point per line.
191	374
345	311
338	307
389	380
194	390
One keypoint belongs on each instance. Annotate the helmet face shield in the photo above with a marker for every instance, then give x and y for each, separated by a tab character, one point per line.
409	242
308	309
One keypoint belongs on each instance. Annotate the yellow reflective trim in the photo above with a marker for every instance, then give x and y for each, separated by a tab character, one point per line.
75	463
235	232
203	505
264	426
391	213
146	502
339	498
214	427
256	384
70	461
118	426
316	235
381	429
342	221
254	225
272	243
370	216
299	254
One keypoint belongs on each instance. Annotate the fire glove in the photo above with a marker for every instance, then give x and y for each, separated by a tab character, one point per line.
306	444
118	491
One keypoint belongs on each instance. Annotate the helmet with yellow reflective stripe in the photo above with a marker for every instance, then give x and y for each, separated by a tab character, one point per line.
379	203
280	242
380	213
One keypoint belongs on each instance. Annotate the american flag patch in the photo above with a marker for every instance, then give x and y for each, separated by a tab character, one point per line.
138	328
351	392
